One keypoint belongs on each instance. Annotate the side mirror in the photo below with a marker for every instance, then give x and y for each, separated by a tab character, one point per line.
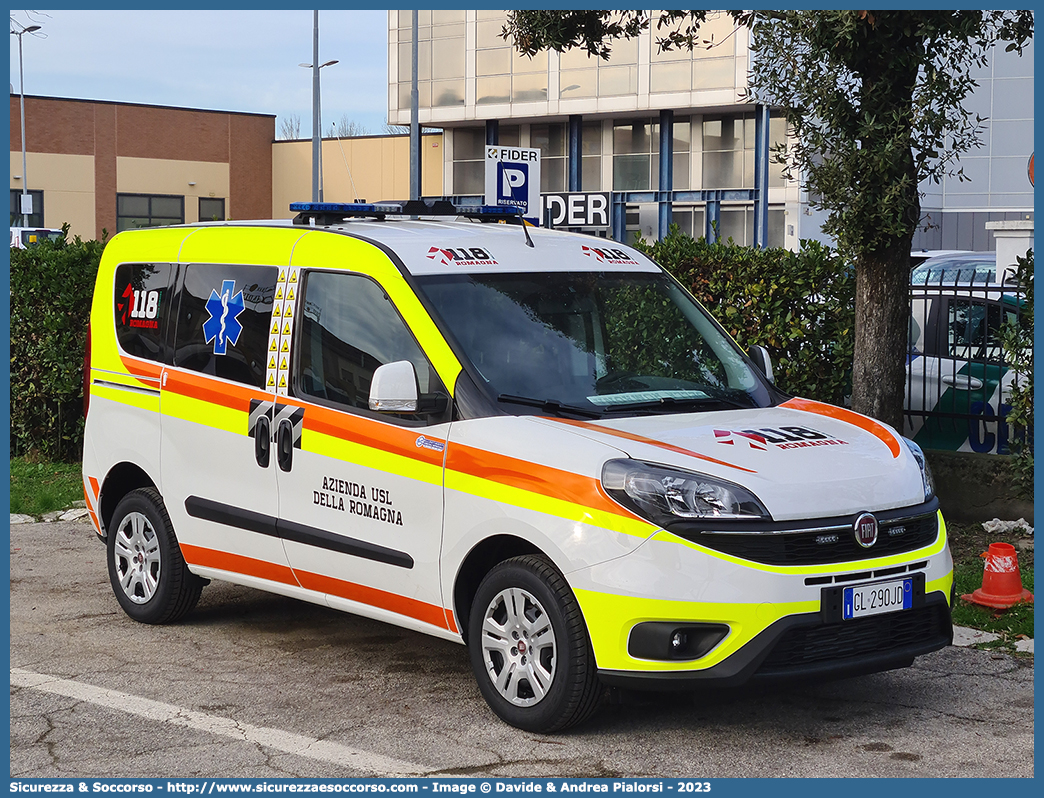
760	356
394	388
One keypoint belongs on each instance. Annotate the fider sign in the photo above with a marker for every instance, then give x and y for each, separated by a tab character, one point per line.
575	210
513	179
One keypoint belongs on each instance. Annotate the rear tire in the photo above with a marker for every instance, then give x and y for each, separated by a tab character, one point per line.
146	569
529	647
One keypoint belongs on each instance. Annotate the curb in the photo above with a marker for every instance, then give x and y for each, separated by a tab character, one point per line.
964	636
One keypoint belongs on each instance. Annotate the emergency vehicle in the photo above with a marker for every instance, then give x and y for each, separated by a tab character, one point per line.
956	368
25	237
532	442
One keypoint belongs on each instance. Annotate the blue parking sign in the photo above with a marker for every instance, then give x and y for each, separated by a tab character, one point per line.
512	184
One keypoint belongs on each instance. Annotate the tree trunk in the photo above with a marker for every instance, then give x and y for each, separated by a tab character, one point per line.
882	328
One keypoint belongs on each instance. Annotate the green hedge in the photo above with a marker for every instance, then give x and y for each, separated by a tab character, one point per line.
798	305
51	289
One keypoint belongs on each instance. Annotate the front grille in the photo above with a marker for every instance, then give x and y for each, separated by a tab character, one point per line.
818	546
804	646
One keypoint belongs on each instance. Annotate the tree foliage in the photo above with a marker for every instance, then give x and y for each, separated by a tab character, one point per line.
875	102
799	305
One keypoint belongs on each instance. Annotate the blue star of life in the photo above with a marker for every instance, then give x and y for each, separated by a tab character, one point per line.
223	326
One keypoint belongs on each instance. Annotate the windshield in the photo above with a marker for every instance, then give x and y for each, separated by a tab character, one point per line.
950	272
592	343
31	237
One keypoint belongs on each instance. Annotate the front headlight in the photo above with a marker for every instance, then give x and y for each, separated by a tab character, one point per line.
926	472
662	494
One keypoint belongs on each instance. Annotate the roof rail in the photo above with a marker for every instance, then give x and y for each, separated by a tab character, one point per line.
327	213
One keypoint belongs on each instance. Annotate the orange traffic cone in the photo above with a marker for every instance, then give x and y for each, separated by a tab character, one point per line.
1001	581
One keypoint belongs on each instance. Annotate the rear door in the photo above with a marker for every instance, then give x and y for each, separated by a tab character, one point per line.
218	401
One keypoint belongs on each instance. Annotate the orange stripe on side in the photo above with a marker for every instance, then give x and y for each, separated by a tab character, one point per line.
205	389
401	605
526	475
144	370
90	509
92	501
375	434
630	436
875	428
237	564
451	622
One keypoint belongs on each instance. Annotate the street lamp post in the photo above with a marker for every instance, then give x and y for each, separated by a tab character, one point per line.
315	66
21	91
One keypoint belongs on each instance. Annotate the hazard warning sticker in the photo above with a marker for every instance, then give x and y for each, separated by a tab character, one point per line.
277	373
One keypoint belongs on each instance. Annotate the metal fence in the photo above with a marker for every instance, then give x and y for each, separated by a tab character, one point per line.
958	378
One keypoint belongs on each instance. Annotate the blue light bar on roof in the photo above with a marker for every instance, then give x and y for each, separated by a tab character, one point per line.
346	208
331	210
488	210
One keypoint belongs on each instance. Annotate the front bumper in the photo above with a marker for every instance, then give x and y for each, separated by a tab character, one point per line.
804	647
782	620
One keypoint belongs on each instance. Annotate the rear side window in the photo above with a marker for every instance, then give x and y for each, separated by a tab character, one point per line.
142	307
223	321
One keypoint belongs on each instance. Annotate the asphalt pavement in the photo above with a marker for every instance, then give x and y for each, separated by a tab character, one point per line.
256	685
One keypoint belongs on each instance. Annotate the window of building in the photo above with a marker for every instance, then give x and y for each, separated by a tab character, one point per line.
469	160
211	209
710	65
350	328
440	58
583	75
224	316
35	218
737	223
503	75
728	151
591	156
690	219
636	158
148	210
551	140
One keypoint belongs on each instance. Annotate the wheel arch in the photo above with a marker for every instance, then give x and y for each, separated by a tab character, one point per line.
479	561
121	480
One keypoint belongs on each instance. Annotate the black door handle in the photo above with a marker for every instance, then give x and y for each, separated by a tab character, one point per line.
285	445
263	441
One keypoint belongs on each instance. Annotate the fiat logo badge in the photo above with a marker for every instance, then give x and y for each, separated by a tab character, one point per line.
865	528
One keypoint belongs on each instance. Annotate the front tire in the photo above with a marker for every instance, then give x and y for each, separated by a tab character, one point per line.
146	569
529	647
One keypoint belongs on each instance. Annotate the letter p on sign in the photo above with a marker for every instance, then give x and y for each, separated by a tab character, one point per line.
513	178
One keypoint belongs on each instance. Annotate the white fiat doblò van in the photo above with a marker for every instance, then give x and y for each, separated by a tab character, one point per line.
531	442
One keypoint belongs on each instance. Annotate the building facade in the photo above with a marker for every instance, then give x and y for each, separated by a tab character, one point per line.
603	125
370	168
111	166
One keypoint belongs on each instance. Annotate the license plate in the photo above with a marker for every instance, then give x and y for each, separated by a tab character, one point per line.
873	599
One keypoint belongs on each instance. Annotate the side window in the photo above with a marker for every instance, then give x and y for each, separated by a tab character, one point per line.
142	307
223	323
348	327
974	330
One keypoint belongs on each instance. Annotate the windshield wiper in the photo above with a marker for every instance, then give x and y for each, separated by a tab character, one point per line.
549	405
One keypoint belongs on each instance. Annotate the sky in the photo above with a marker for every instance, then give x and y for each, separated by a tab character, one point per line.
241	60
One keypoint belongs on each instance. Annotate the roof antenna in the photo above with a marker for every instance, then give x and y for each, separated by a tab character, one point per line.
522	221
355	191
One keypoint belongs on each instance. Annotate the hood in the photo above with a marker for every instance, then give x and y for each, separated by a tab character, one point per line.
802	459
